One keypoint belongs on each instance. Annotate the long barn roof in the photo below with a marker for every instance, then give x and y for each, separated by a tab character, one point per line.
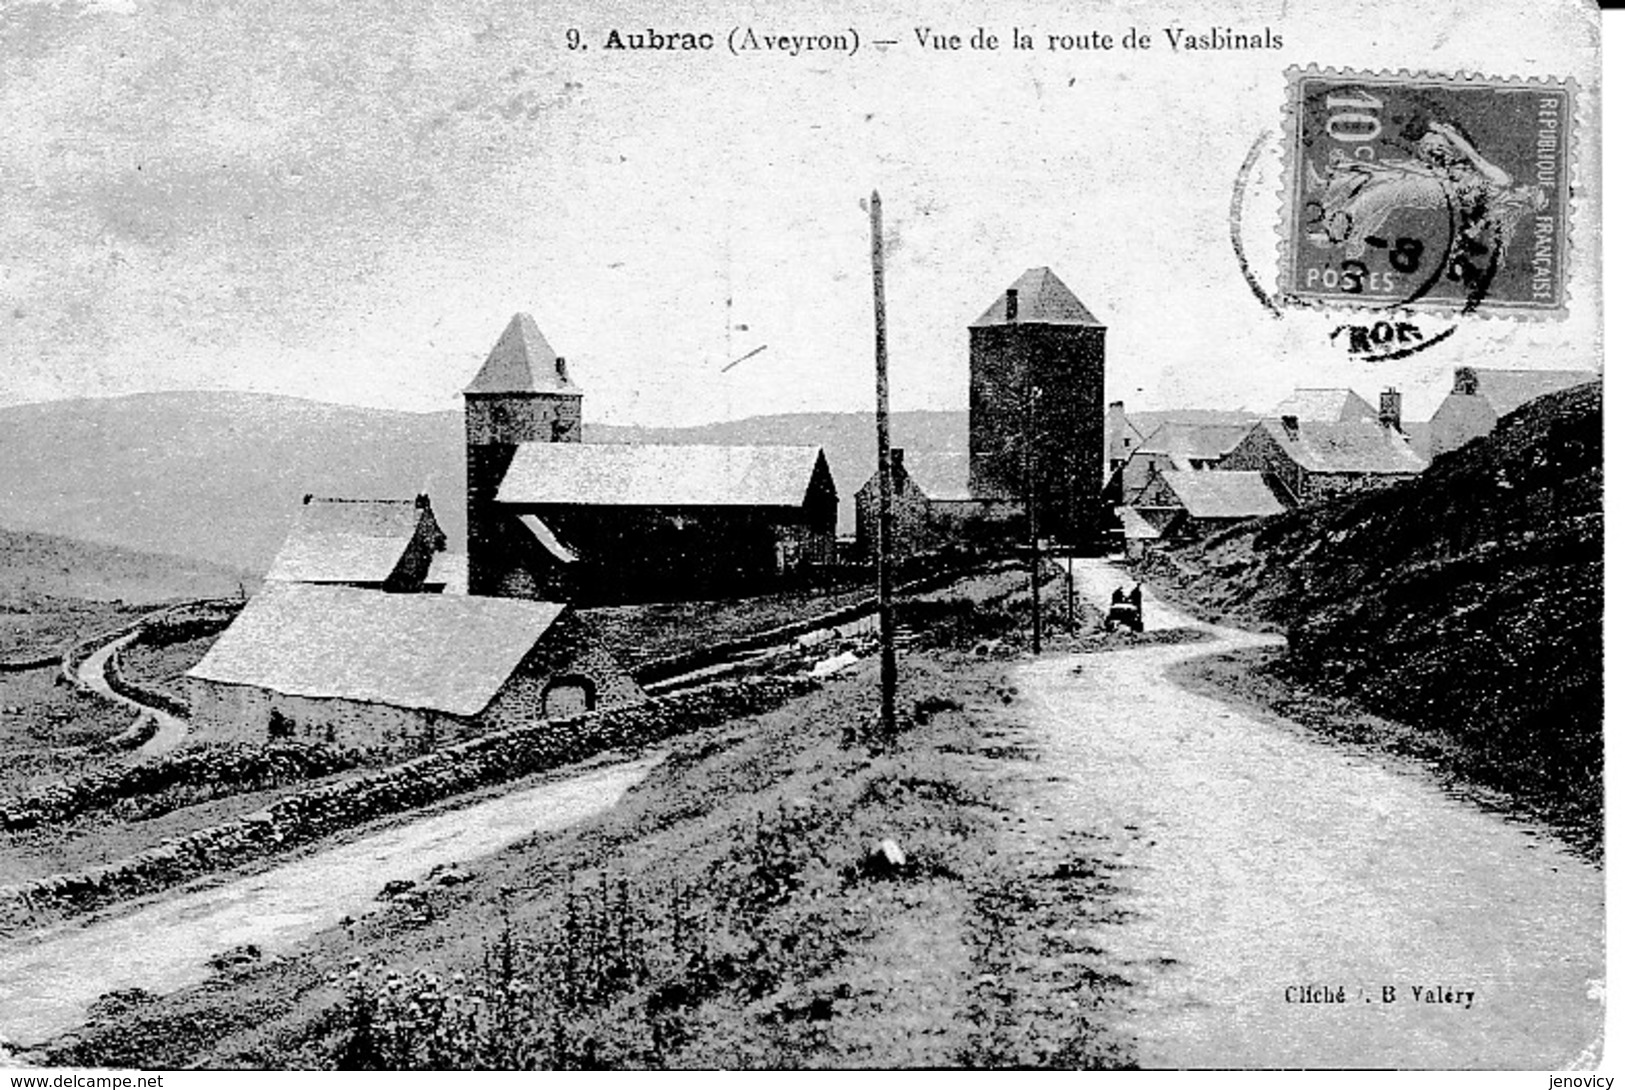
447	653
651	475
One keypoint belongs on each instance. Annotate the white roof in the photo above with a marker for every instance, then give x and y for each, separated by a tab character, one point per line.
431	651
650	475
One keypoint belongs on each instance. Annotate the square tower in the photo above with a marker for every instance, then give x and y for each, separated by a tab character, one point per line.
1037	405
522	394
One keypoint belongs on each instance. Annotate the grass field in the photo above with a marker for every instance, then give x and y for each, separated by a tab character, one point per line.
737	909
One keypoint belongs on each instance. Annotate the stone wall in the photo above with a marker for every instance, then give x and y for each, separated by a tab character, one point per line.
451	770
224	769
243	714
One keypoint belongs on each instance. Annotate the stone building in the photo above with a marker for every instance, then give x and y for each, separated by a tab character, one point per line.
1037	405
399	672
1312	459
933	509
552	517
1180	505
1178	447
1481	396
375	544
645	522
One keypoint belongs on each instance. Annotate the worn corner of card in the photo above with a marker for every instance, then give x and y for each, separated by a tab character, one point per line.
1427	192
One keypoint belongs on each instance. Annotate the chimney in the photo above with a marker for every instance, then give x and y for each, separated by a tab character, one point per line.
422	501
308	497
896	460
1388	408
1290	423
1010	304
564	376
1466	381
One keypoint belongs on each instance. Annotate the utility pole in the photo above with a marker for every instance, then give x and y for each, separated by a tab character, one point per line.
1032	506
883	562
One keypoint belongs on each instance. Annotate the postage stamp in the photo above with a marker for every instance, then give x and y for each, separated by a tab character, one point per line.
1426	191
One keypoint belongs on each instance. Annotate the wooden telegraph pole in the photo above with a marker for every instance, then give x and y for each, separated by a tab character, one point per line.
1032	508
883	562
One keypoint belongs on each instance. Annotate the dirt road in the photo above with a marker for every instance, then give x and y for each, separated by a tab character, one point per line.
46	983
1292	905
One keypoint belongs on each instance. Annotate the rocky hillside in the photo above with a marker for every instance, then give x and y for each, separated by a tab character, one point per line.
1467	602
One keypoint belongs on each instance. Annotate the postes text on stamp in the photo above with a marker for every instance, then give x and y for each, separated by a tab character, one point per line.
1426	191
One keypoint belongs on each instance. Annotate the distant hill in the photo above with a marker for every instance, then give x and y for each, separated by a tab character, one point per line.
35	566
1467	601
216	476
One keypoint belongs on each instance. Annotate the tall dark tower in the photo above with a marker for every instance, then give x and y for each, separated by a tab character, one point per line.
522	395
1037	404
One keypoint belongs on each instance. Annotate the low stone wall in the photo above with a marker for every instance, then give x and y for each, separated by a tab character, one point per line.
656	670
142	694
233	769
452	770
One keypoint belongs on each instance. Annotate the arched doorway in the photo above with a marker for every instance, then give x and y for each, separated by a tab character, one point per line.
569	695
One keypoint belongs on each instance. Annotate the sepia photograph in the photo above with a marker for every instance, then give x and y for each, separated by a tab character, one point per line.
873	536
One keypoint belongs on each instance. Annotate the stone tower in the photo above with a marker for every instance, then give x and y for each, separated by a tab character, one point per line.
1037	405
523	394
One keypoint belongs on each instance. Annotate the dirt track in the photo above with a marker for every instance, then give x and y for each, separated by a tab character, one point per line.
1255	861
47	983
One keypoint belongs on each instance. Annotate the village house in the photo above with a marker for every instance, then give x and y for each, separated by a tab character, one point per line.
1313	459
552	517
933	509
386	545
1177	446
399	672
1180	505
1481	396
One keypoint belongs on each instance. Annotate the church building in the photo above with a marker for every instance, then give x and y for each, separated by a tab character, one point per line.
551	517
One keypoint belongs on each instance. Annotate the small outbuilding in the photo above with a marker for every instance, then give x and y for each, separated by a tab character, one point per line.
1184	504
396	671
372	544
933	509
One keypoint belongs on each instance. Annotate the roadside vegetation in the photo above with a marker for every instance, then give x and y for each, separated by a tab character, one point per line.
1466	605
785	890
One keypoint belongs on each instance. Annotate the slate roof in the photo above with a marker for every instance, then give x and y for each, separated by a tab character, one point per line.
1187	442
1505	390
447	653
1325	405
1149	421
650	475
1358	446
346	541
1041	299
1223	494
521	362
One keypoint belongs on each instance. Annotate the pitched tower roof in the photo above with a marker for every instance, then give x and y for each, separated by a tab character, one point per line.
1041	299
522	363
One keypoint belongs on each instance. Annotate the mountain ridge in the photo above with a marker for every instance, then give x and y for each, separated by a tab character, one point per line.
216	476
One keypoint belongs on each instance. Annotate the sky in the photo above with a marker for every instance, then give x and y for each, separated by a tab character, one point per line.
347	201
